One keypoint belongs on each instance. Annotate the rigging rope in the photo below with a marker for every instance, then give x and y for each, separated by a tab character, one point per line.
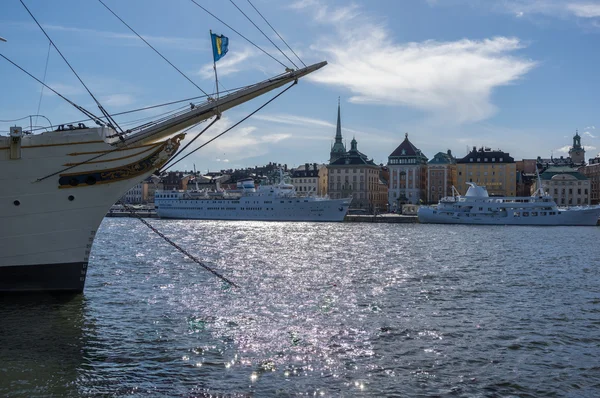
176	246
158	105
260	30
155	50
43	79
238	123
265	19
79	108
164	167
104	112
244	37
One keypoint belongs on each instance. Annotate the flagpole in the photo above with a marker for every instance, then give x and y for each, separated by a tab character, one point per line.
215	67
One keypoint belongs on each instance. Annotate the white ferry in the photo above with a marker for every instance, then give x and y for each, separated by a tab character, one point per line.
277	202
477	207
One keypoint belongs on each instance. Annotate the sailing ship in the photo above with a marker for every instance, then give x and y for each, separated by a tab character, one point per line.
477	207
61	183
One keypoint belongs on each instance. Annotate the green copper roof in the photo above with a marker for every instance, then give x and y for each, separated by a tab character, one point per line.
552	171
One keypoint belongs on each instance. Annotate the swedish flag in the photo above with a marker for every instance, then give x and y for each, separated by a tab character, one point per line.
219	45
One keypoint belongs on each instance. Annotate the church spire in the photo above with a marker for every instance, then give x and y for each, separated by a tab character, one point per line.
338	149
338	130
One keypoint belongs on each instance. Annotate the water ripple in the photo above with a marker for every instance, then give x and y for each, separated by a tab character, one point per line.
323	310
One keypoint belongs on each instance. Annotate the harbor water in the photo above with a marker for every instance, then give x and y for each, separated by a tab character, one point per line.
323	309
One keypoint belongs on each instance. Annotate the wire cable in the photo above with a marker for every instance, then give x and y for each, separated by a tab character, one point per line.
238	123
265	19
43	79
260	30
104	112
164	167
244	37
155	50
176	246
79	108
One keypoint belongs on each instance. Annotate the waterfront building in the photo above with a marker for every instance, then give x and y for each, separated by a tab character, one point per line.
592	172
176	180
526	176
149	186
134	194
441	176
353	174
496	170
408	175
566	185
323	180
142	192
306	179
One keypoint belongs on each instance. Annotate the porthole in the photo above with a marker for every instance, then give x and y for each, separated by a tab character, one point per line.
16	203
73	181
91	180
71	198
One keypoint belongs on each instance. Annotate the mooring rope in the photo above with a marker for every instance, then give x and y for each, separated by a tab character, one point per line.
176	246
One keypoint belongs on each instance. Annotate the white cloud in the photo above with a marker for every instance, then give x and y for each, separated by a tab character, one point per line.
239	143
564	149
232	63
452	80
302	121
550	8
64	89
117	100
584	10
589	134
590	128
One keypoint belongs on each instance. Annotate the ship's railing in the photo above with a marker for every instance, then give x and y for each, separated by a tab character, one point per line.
450	199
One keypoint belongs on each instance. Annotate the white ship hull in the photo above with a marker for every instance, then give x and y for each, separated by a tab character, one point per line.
47	227
254	208
575	217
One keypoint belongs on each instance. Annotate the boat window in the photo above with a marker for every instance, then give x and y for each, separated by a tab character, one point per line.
517	214
534	213
525	214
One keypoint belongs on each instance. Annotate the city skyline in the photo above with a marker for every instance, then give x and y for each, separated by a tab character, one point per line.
514	76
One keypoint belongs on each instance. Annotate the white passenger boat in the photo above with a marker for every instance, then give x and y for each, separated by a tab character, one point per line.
477	207
278	202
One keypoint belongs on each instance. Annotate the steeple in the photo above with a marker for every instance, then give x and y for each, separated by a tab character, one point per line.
353	145
577	152
338	130
338	149
576	140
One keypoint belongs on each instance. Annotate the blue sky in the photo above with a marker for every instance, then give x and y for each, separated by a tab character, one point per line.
518	75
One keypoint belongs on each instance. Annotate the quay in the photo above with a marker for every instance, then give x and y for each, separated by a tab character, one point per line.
382	218
138	213
379	218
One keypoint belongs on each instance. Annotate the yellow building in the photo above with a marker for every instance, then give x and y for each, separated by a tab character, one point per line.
496	170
